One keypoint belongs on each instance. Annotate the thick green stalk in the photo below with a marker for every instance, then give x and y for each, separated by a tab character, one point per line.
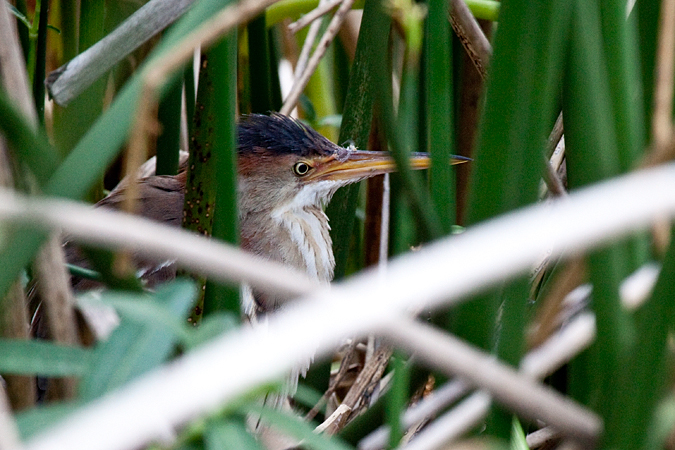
620	47
70	28
200	192
520	99
402	131
212	165
225	227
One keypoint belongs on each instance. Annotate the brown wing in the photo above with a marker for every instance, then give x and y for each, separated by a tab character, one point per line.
160	199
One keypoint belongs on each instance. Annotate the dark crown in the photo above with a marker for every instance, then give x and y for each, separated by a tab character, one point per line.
280	134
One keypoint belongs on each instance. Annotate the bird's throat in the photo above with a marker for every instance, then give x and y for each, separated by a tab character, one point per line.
298	237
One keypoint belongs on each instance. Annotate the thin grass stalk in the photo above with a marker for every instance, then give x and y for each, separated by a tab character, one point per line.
225	222
521	98
649	367
40	58
293	9
74	121
518	104
33	42
397	400
402	132
20	390
259	66
625	85
439	112
592	155
646	14
356	121
168	141
303	74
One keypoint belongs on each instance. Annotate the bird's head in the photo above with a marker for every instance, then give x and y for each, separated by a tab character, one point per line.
282	162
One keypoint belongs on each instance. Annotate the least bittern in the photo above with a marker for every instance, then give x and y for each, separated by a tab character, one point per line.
287	175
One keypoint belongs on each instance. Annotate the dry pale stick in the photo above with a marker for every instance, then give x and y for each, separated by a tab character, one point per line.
443	273
116	230
70	80
314	14
326	39
307	46
520	394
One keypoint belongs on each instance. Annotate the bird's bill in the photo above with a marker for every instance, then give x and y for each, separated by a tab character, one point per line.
362	164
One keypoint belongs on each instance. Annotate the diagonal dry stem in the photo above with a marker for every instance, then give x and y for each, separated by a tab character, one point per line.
323	8
470	35
521	394
307	47
313	62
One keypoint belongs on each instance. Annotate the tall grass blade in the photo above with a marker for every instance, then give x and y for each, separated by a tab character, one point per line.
356	121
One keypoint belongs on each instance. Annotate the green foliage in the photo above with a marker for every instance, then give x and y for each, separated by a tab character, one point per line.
229	434
42	358
151	327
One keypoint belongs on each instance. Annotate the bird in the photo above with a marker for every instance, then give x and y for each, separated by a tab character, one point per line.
287	174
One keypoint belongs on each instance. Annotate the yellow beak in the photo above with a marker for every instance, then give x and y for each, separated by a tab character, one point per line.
361	164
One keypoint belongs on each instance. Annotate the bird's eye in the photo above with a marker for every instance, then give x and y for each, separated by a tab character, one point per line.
301	168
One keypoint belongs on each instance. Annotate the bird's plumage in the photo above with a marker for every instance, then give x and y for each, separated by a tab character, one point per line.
287	173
